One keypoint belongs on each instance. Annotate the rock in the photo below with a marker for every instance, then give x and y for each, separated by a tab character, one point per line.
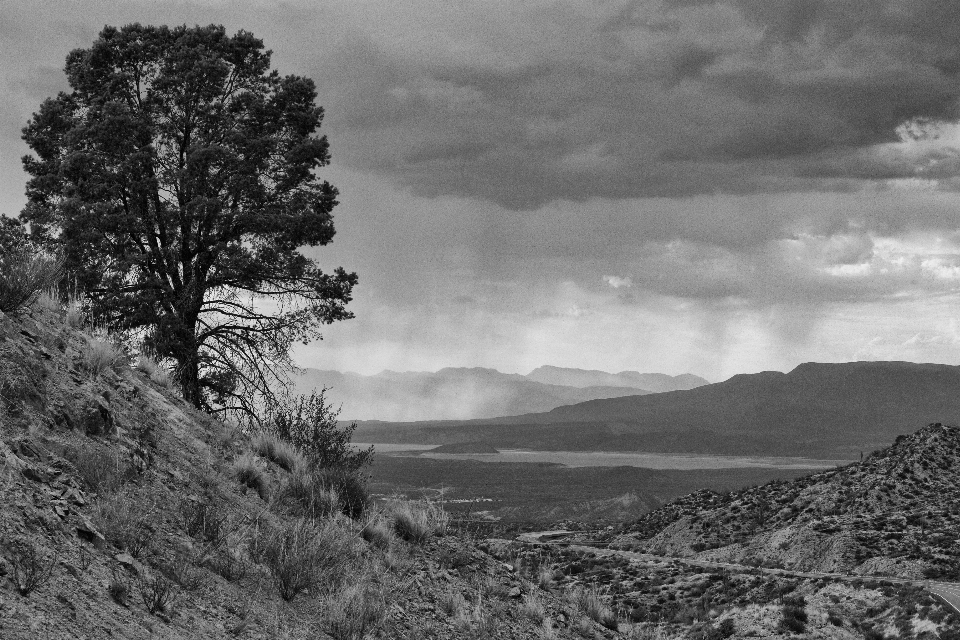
88	533
95	417
37	475
514	593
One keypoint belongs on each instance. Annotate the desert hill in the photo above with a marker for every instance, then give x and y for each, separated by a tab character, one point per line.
125	513
654	382
816	410
897	512
452	393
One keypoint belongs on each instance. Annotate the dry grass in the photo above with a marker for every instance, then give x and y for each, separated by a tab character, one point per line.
304	495
532	607
101	355
354	612
303	555
23	277
378	533
74	317
277	451
124	519
589	603
102	470
157	374
453	603
249	473
416	521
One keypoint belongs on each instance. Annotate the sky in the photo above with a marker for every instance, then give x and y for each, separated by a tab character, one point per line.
664	186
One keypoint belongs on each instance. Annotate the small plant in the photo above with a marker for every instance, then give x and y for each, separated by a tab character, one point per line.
25	271
74	317
119	587
589	603
101	355
452	603
31	568
354	612
794	615
302	554
157	374
101	470
532	607
417	521
277	451
125	523
378	533
207	522
305	496
249	473
157	592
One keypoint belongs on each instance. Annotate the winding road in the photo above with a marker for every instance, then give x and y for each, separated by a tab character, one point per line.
949	592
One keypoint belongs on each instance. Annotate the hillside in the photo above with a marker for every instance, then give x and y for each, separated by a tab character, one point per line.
448	394
816	410
124	513
896	513
654	382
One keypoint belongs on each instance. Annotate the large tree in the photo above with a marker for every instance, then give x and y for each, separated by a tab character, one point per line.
179	179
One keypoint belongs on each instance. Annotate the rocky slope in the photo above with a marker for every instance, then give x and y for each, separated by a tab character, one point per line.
123	514
897	512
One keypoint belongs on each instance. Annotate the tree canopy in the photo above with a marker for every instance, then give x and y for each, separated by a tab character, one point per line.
179	179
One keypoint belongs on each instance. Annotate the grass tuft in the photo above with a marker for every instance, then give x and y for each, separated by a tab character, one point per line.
249	473
417	521
277	451
302	554
101	355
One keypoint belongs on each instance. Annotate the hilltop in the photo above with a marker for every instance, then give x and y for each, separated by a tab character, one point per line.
125	513
897	512
816	410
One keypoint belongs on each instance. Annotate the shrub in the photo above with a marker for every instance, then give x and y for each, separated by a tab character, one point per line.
452	603
310	424
354	612
277	451
31	567
101	470
794	615
25	271
157	592
125	522
378	533
157	374
118	588
74	316
304	496
351	489
302	554
417	521
589	603
207	522
248	471
532	607
101	355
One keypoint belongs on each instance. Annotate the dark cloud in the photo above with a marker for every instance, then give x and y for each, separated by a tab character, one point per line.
656	99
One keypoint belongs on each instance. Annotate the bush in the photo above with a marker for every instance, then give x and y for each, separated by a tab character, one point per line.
248	471
302	554
101	470
417	521
794	615
354	612
303	495
31	568
157	592
157	374
588	601
532	607
378	533
310	424
123	521
351	489
208	523
25	271
101	355
277	451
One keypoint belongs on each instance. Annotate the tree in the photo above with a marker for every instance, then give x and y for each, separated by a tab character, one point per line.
178	177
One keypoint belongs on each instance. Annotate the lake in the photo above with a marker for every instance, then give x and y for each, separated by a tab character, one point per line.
675	461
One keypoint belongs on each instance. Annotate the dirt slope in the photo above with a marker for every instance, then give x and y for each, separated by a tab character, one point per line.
121	516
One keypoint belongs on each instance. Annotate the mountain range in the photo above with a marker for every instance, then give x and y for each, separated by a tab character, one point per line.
469	393
822	410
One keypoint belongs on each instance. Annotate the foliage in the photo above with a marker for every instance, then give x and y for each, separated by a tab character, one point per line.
310	424
354	612
277	451
25	271
178	178
301	554
417	521
31	567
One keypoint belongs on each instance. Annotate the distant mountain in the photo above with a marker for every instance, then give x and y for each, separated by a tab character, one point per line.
894	513
656	382
448	394
819	410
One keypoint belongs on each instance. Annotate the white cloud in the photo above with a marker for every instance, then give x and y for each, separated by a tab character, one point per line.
617	282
